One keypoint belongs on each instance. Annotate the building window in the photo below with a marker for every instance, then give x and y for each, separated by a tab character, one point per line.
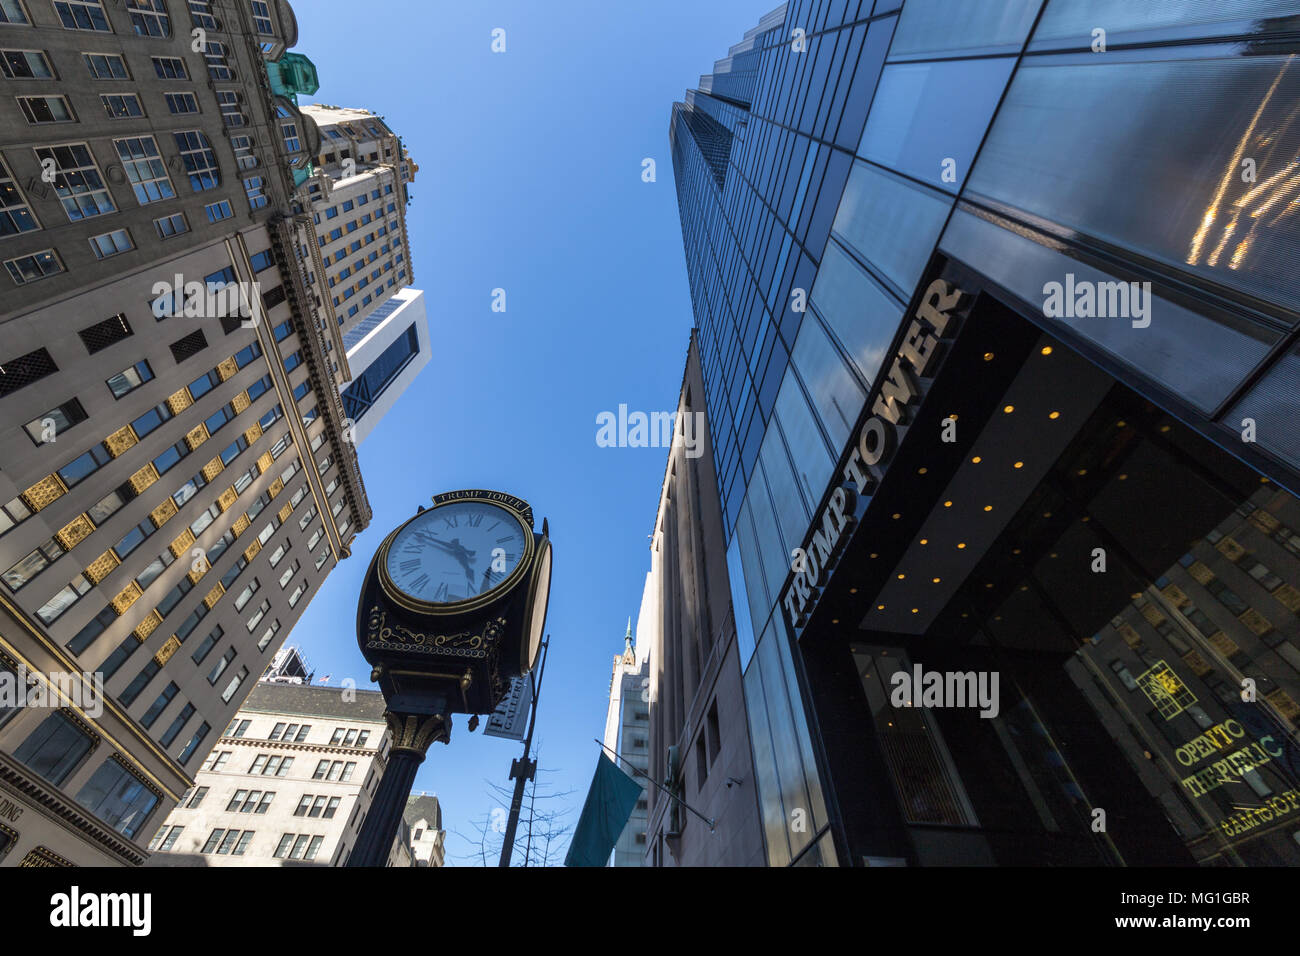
231	113
56	421
144	167
118	797
181	103
159	705
106	66
149	18
15	215
169	226
253	189
121	105
272	629
219	210
170	68
77	181
218	67
54	748
234	685
39	110
244	155
201	14
111	243
25	65
82	15
129	379
200	161
39	265
262	18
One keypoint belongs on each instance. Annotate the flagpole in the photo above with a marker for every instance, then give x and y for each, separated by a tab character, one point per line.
668	793
521	771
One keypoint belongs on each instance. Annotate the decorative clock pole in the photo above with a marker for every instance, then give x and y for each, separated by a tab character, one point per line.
452	608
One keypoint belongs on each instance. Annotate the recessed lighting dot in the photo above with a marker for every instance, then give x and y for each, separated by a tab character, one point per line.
976	460
1054	415
922	471
925	540
915	610
835	620
1081	472
1019	464
901	576
1015	550
935	581
880	607
988	356
947	504
1165	428
1024	587
1052	555
1008	408
989	585
1121	424
897	516
1123	477
1046	350
853	590
961	545
1047	514
988	507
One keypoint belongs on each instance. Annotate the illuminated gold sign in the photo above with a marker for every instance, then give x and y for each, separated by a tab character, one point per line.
1236	764
1165	690
1250	817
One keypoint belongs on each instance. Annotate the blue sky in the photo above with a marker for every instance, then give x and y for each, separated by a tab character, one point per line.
529	180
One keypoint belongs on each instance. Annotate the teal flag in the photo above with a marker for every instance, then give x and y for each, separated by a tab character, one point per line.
609	805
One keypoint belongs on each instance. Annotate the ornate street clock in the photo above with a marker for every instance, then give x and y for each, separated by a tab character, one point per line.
459	590
452	608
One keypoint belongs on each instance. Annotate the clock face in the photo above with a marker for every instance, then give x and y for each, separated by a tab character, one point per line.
456	552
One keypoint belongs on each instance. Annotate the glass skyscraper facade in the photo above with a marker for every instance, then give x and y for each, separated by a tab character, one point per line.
1087	492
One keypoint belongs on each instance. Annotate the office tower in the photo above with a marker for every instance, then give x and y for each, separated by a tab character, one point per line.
386	350
1000	390
627	734
699	746
423	820
357	195
179	473
289	780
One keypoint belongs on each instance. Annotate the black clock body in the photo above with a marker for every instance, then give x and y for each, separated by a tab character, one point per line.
438	652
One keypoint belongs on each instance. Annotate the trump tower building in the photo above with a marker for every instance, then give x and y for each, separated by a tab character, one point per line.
996	307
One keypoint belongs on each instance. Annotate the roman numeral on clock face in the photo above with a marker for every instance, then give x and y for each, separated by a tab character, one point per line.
451	521
410	565
475	520
441	593
418	583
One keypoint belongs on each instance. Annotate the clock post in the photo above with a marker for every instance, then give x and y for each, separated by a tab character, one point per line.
452	608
